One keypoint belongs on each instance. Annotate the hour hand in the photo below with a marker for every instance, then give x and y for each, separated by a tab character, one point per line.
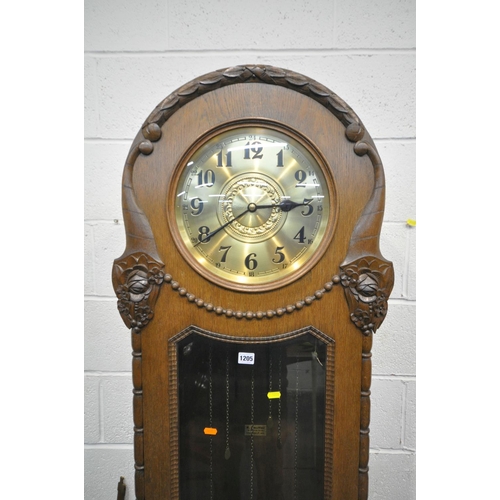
285	205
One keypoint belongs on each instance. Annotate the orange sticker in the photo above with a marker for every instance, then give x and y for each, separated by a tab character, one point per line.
210	431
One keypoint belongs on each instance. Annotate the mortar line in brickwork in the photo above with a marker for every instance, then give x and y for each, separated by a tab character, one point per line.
403	416
101	373
398	139
395	377
391	451
99	140
334	38
99	298
93	260
258	52
401	301
395	222
108	446
98	97
407	267
103	221
101	412
405	281
127	140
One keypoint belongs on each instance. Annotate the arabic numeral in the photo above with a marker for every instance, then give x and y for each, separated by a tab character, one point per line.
300	236
246	358
220	158
197	206
203	236
300	177
280	255
255	148
224	255
206	179
308	210
250	261
280	159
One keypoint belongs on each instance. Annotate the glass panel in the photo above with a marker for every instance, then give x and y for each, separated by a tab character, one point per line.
251	418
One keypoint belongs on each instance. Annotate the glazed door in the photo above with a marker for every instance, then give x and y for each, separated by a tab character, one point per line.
252	417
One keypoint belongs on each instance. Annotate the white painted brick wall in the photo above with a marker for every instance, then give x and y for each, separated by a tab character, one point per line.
139	52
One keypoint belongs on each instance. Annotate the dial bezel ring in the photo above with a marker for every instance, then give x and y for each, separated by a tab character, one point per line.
260	126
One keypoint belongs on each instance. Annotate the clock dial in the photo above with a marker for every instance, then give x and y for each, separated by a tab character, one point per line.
252	208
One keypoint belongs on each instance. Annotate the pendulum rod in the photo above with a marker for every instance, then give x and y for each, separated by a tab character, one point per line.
210	424
279	400
252	415
270	417
227	453
296	436
314	371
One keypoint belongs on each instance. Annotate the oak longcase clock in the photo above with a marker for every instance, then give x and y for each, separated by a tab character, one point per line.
252	282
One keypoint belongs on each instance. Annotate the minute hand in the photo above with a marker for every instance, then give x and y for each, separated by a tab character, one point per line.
220	228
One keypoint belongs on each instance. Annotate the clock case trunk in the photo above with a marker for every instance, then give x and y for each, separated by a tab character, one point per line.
335	307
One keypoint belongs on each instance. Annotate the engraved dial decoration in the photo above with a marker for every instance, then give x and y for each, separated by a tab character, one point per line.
253	208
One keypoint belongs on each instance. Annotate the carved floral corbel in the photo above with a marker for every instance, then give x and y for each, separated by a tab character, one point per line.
367	284
137	279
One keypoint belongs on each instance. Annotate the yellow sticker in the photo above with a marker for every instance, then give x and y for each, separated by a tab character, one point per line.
411	222
274	395
210	431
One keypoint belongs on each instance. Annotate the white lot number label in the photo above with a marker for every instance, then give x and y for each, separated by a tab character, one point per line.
246	358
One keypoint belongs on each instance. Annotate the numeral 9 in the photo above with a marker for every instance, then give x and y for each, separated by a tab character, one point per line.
300	176
197	206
